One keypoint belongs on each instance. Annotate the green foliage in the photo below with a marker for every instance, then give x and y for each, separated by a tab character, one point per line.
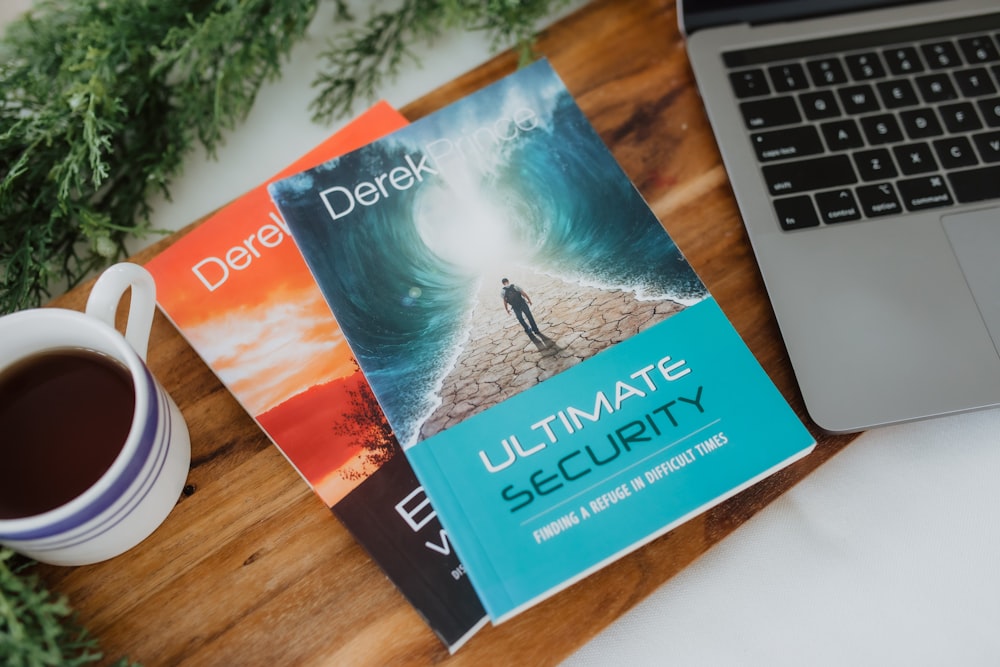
100	100
36	627
360	60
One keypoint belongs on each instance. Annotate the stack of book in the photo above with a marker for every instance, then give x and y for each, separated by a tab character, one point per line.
477	344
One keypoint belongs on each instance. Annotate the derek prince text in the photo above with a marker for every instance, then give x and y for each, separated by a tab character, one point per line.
341	201
580	462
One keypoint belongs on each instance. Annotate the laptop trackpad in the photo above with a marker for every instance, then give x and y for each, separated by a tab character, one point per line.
975	236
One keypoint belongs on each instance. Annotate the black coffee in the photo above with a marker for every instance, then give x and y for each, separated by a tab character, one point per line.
64	416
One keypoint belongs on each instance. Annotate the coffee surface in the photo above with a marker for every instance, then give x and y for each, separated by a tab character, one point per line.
64	416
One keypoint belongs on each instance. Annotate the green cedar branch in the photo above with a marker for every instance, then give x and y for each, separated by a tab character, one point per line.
37	627
101	100
360	60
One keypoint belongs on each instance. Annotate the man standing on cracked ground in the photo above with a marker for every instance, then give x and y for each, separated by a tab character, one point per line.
516	298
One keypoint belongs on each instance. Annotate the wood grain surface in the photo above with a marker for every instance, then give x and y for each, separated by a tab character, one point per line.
252	569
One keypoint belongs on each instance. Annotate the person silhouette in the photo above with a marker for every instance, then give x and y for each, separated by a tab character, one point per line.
516	299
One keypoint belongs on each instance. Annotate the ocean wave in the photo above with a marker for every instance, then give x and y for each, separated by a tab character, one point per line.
401	275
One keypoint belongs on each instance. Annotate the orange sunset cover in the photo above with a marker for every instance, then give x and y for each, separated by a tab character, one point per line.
238	290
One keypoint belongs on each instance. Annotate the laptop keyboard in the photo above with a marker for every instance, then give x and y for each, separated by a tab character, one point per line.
862	126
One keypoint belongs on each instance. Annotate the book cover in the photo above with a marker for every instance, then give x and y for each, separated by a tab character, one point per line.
562	382
238	290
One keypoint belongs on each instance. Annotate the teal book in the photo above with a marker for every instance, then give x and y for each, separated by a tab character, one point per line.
560	379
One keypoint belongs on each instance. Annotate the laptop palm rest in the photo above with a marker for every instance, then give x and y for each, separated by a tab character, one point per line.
975	237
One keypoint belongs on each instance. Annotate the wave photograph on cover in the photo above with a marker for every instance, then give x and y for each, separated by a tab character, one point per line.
516	257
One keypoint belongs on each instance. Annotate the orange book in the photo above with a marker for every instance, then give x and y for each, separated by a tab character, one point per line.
237	288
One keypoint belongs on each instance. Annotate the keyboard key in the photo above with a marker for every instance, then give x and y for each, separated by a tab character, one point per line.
749	83
976	184
838	206
827	72
812	174
941	55
920	123
787	143
979	49
915	158
858	99
864	66
796	212
897	93
842	135
924	192
788	77
936	88
955	152
819	105
879	199
875	164
759	114
974	82
881	129
988	144
990	109
960	117
903	60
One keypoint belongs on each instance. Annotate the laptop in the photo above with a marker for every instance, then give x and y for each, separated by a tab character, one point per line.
862	142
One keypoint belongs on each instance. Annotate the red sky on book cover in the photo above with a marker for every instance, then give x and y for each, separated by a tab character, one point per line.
237	288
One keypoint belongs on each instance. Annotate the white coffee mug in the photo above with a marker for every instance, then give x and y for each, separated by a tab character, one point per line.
137	492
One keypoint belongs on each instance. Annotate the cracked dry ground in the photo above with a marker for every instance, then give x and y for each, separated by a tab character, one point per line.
500	360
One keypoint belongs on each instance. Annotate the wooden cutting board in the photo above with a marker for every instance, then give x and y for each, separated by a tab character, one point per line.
252	569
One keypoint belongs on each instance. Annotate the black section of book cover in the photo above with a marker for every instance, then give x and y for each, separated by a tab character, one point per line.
391	516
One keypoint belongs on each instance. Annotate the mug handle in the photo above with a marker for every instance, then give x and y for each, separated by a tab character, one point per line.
108	292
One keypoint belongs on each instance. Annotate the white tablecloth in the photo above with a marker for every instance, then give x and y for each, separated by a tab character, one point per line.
885	555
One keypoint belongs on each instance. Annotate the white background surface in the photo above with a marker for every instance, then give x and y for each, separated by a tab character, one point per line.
886	555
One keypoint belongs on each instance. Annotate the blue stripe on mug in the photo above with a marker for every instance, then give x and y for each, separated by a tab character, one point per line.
119	487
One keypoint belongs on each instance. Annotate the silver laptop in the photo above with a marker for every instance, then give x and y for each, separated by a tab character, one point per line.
862	141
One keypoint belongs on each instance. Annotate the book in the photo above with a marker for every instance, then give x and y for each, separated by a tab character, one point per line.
238	290
565	387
